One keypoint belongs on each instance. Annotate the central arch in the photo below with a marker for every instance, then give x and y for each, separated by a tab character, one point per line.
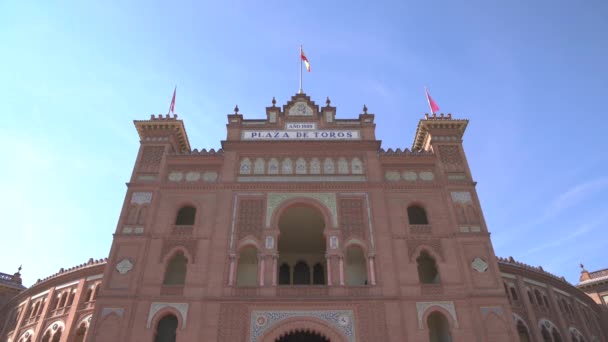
307	328
301	245
302	336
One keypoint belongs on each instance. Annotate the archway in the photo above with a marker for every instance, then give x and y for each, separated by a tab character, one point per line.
302	336
301	245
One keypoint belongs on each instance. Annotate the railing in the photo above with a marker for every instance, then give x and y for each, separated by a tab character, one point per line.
302	290
4	276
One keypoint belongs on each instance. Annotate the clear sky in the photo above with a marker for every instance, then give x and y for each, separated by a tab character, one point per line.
531	76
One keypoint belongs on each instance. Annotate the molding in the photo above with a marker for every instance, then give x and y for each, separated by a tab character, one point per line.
301	178
155	307
94	277
534	282
422	307
274	200
507	275
341	320
66	285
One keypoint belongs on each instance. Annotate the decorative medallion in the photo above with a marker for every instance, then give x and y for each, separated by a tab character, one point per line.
124	266
479	265
427	176
392	176
461	196
261	320
210	176
141	197
409	176
300	109
175	176
193	176
343	320
55	326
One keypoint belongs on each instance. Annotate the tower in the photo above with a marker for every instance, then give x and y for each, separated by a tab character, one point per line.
301	227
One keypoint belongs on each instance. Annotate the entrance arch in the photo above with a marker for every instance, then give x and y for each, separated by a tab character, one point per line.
301	245
306	328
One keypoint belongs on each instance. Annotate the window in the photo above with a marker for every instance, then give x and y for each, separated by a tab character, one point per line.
417	215
176	270
514	293
166	329
546	335
301	273
247	268
522	332
356	268
284	275
80	333
530	297
556	336
427	269
318	274
539	299
439	328
546	301
185	216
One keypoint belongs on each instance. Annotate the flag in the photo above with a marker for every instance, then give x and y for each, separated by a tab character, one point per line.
172	106
432	104
303	56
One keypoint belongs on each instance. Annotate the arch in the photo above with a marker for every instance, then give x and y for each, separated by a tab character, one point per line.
166	328
284	274
301	168
247	241
176	269
328	166
447	312
417	214
245	167
358	243
259	166
439	327
343	166
522	331
425	248
356	166
141	214
428	272
315	166
301	273
273	166
27	336
168	309
328	216
304	324
71	297
318	274
287	166
356	267
557	337
81	332
89	295
247	267
174	250
186	216
539	298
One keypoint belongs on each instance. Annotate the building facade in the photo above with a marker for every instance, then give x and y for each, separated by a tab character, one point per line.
302	228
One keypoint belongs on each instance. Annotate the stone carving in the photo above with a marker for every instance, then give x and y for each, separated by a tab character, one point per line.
106	311
341	320
245	167
141	198
182	308
151	157
193	176
251	217
427	175
286	166
342	166
351	216
300	109
328	166
409	176
175	176
479	265
273	167
461	197
329	116
422	307
356	166
124	266
210	176
392	176
269	242
327	199
138	230
259	167
449	154
485	310
315	166
333	242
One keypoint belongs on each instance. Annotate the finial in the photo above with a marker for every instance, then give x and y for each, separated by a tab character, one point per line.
19	269
582	267
364	109
328	101
274	101
236	109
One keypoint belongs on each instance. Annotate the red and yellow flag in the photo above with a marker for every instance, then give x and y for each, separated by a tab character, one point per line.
303	56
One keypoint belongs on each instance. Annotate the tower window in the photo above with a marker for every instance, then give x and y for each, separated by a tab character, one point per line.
176	270
185	216
427	269
417	215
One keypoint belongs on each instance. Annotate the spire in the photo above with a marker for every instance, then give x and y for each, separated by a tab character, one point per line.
236	109
584	273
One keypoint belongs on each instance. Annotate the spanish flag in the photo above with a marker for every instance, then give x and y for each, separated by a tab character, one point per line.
303	57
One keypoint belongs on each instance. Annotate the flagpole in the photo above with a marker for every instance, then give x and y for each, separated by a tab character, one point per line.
300	69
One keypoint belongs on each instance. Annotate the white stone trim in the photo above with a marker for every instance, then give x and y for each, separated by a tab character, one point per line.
141	198
39	295
155	307
534	282
118	311
422	307
94	277
341	320
66	285
561	292
507	275
274	200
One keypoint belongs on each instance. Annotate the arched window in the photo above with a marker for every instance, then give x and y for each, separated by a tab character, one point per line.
247	268
427	269
507	292
439	328
556	336
545	334
185	216
514	293
95	291
318	274
522	332
539	299
417	215
80	333
530	297
284	275
57	335
47	336
71	298
175	274
89	295
64	298
166	329
545	301
356	269
301	273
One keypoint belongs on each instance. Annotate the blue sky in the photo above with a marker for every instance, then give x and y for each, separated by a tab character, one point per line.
530	75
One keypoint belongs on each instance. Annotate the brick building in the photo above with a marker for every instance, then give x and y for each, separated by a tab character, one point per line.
303	228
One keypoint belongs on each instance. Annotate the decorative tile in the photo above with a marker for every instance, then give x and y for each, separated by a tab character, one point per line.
341	320
141	198
182	308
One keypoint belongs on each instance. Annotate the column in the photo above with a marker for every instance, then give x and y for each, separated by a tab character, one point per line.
232	258
78	300
261	269
341	269
21	318
372	270
45	310
328	263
